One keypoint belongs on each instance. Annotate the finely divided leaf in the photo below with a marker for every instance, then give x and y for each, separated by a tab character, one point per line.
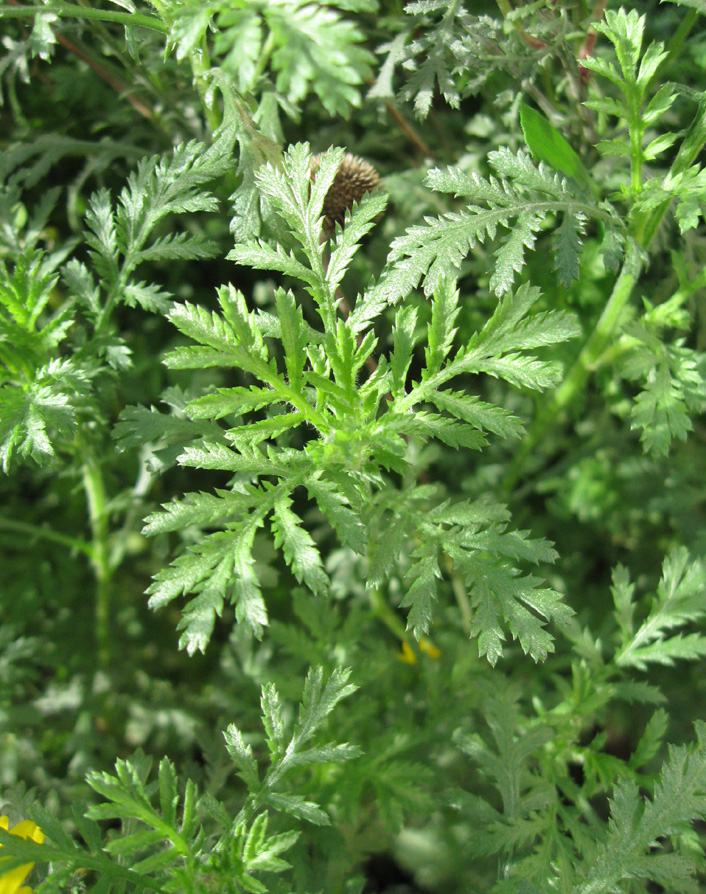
441	330
520	202
681	598
295	336
422	591
300	551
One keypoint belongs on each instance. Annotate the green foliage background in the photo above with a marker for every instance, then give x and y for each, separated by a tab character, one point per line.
417	503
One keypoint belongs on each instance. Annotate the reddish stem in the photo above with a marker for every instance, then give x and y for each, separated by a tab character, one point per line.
589	43
110	79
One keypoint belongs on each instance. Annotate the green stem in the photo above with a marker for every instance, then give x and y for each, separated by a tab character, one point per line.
104	314
200	64
636	129
35	531
461	596
645	228
265	54
79	12
688	152
627	343
390	619
676	42
578	376
100	555
636	132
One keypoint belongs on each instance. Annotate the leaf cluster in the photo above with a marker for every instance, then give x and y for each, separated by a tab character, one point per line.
173	840
469	411
51	363
354	434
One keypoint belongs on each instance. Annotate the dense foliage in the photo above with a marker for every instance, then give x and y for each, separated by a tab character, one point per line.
353	535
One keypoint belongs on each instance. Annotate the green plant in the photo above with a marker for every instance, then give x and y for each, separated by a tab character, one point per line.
441	459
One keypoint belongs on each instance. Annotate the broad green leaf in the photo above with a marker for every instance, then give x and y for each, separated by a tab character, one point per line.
546	144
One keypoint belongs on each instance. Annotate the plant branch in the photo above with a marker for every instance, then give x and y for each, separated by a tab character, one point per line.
34	531
390	618
116	83
645	228
409	131
574	383
100	67
674	47
265	54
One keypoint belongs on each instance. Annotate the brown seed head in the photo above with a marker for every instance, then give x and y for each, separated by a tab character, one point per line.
355	177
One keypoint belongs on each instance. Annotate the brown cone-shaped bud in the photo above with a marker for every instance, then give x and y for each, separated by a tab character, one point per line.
355	177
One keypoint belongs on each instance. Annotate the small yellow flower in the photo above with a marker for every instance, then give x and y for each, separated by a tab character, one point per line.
408	656
428	646
12	882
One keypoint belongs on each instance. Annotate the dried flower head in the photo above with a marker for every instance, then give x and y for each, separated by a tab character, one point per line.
355	177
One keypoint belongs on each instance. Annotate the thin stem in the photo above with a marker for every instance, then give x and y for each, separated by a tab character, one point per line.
140	489
636	132
409	131
101	30
645	227
636	129
65	10
506	9
200	65
34	531
585	362
676	42
102	70
109	73
104	314
461	596
343	305
265	54
390	618
94	487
